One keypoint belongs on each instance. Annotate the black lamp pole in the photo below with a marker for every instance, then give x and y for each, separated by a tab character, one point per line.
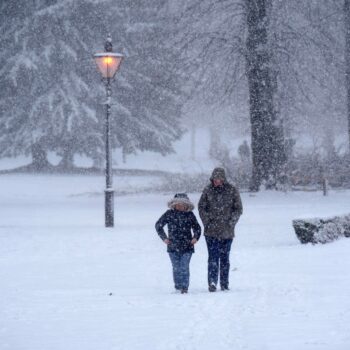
109	192
108	63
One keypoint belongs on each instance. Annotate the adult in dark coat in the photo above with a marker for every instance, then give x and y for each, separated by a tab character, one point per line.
180	242
220	207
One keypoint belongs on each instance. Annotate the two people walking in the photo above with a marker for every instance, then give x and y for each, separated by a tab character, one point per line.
219	208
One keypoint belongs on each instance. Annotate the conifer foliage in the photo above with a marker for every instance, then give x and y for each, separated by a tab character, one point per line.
51	94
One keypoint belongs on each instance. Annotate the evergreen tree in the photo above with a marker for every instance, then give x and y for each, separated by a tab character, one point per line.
53	106
148	93
49	100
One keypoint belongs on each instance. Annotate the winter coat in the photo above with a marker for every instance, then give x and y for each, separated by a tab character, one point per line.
180	224
220	208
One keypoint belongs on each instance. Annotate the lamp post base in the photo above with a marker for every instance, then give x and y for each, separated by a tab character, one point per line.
109	208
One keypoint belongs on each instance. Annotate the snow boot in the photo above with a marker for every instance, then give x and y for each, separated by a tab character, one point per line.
212	287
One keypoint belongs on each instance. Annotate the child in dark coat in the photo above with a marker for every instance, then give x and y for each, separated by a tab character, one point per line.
180	242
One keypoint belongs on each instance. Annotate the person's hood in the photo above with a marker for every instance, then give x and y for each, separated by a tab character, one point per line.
181	198
218	173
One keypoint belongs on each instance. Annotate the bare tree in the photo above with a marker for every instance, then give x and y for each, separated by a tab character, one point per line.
347	59
224	42
285	57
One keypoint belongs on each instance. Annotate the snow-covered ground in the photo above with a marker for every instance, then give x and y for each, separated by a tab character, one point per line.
68	283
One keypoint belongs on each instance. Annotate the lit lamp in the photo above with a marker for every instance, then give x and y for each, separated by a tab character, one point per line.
108	64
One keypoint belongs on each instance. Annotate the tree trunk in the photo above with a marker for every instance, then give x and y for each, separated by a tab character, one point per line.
124	155
215	145
67	161
266	133
39	158
347	59
193	142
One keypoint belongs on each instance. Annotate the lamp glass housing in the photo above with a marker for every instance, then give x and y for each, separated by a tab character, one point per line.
108	63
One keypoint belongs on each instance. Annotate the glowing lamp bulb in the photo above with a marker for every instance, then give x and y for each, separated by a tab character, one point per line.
108	60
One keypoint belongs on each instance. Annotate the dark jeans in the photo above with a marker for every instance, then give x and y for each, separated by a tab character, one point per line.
181	269
219	258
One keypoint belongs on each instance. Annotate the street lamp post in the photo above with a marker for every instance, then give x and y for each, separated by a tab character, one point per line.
108	63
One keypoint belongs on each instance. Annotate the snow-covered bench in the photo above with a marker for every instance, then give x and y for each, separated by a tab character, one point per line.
319	230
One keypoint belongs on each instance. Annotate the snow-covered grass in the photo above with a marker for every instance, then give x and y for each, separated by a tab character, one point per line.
68	283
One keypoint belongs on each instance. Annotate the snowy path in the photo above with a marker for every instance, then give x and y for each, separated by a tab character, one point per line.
59	265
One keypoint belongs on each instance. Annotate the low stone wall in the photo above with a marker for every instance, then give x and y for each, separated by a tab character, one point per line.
322	230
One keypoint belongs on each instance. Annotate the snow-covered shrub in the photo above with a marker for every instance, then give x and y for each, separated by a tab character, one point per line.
322	230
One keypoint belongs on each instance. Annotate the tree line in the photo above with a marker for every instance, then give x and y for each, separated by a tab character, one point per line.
287	61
